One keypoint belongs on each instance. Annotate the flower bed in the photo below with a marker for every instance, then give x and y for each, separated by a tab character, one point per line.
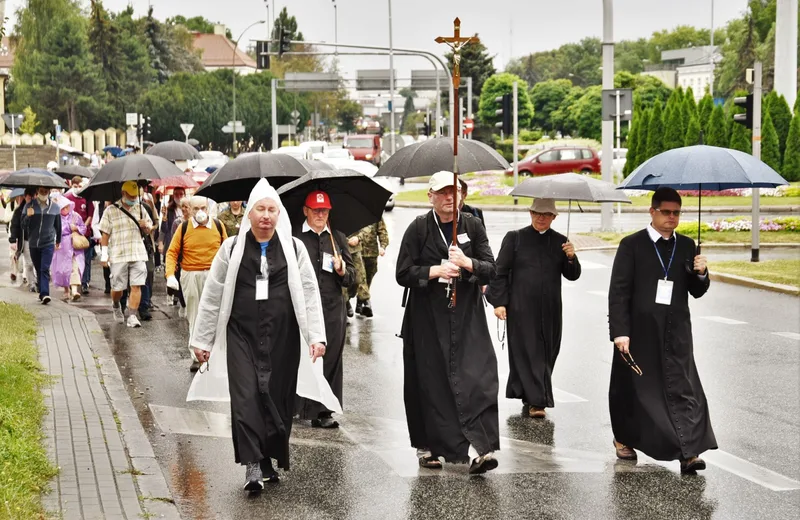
791	224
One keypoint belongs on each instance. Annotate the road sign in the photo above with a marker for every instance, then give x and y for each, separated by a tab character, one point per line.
13	120
295	117
187	129
610	104
131	119
373	79
287	129
312	82
469	125
426	80
228	129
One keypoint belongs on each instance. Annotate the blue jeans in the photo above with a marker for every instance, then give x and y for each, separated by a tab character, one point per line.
88	254
42	258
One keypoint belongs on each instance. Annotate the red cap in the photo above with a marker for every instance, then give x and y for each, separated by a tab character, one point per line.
318	200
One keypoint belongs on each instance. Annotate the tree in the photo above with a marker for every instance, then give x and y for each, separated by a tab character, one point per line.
288	25
632	140
197	24
411	122
476	63
674	134
170	48
704	111
692	132
781	116
560	119
715	133
29	122
770	144
408	106
586	113
791	160
688	108
739	139
546	97
498	85
797	103
655	132
641	138
349	110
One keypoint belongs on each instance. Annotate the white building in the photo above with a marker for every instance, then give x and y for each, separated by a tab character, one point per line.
691	67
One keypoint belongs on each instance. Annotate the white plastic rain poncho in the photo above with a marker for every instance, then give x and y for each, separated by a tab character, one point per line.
217	299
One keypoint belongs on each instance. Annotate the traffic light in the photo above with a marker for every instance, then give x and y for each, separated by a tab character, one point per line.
746	103
262	55
285	42
146	130
506	125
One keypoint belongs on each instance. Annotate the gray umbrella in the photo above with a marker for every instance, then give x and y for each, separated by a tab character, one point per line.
68	171
570	186
435	155
175	151
33	178
236	179
106	183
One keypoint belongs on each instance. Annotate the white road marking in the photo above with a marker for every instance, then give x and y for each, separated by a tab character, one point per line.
604	294
726	321
585	265
790	335
752	472
560	396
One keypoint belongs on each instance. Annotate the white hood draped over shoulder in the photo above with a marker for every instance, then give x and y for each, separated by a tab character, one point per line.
211	325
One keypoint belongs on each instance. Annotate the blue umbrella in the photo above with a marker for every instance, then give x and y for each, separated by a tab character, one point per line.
16	192
113	149
702	167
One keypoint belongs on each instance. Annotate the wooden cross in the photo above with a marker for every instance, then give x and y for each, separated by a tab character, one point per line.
456	43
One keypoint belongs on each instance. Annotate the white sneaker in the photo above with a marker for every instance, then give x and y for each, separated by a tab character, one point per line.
118	316
133	321
182	312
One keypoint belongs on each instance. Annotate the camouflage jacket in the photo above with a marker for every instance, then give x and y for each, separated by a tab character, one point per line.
356	248
231	221
371	237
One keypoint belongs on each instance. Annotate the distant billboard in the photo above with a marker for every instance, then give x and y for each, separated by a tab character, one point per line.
426	80
311	82
376	79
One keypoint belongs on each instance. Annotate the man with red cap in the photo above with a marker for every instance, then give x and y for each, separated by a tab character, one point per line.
334	268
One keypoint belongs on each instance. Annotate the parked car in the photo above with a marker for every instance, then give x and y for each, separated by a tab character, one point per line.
559	160
364	147
620	157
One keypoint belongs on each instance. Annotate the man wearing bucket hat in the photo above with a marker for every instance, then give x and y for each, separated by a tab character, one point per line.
121	248
527	292
333	265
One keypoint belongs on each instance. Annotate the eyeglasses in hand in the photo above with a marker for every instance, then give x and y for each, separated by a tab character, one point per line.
631	363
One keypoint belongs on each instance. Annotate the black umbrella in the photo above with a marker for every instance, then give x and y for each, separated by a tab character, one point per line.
357	200
33	178
106	184
435	155
174	151
68	171
236	179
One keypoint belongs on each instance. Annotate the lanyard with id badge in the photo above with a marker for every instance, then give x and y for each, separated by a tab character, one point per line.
664	287
262	281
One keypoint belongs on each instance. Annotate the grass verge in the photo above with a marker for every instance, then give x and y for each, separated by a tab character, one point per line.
688	202
25	467
718	237
786	272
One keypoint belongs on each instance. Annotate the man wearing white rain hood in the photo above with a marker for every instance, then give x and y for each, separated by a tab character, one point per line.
259	331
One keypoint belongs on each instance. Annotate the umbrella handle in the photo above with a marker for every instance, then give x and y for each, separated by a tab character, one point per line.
569	214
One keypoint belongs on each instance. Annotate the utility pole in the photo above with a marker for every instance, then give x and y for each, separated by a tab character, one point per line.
756	219
515	147
606	211
786	50
274	114
391	82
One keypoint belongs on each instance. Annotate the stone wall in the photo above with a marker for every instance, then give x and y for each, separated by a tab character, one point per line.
87	141
29	156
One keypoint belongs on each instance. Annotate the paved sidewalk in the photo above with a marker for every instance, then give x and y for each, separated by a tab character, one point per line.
107	469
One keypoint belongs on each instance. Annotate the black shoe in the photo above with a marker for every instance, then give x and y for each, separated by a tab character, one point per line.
483	464
145	315
269	475
253	478
195	366
366	309
107	290
350	313
691	468
359	306
45	300
85	290
324	422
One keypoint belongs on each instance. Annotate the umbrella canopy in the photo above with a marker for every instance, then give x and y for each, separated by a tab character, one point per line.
174	151
702	168
193	142
236	179
182	181
68	171
357	200
136	167
435	155
113	149
570	186
16	192
34	178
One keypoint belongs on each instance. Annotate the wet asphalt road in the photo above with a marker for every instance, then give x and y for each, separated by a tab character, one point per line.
747	346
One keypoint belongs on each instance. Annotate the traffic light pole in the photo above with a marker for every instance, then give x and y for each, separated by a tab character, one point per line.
515	148
756	220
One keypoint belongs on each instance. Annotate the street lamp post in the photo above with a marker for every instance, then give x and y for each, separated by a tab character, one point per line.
233	67
335	26
391	81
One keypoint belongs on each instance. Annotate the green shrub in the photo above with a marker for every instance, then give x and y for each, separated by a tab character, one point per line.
690	228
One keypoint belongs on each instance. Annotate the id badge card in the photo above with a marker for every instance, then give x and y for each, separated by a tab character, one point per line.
463	238
327	262
664	292
442	280
262	288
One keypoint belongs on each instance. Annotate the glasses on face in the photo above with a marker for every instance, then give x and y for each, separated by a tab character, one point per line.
543	215
319	211
628	359
669	212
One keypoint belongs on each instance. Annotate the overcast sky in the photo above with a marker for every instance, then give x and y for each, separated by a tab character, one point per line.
507	27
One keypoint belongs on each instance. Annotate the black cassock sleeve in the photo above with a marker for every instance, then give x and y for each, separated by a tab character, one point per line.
620	291
409	273
571	269
498	293
484	268
698	285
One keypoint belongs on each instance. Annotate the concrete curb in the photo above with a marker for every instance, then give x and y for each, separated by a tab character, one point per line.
755	284
780	245
744	210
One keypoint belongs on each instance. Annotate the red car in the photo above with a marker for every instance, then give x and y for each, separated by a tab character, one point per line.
364	148
562	159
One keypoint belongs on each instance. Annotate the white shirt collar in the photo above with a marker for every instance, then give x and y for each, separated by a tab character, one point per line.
654	234
207	224
307	228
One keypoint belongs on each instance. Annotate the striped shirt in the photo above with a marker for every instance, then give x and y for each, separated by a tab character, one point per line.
125	238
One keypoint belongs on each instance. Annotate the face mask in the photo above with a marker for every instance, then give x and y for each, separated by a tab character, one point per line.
201	217
42	198
129	202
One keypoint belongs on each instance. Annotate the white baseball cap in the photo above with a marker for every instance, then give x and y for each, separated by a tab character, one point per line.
440	180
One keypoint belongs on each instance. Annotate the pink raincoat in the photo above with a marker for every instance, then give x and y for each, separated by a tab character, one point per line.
61	268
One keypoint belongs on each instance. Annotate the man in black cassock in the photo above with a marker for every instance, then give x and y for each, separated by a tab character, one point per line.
450	380
662	411
466	208
527	291
335	270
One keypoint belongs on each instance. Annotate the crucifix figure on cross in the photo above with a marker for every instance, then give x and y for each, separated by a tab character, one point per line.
456	43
